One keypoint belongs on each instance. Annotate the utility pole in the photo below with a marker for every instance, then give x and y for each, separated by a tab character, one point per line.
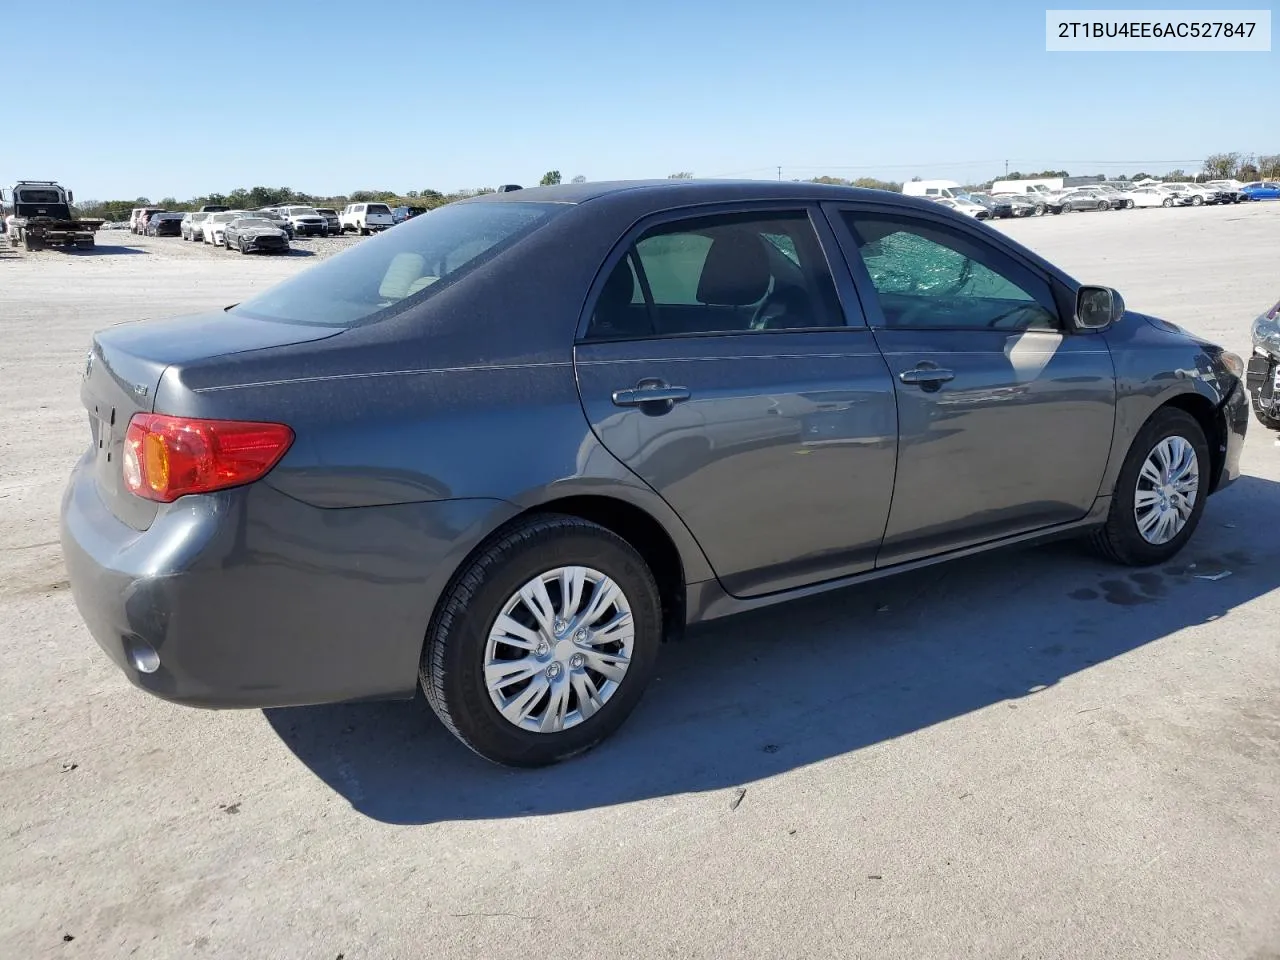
1006	168
779	171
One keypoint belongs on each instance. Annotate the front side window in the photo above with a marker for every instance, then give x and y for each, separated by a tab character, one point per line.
928	276
736	273
378	274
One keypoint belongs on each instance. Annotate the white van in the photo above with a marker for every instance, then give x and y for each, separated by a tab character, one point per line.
933	188
1042	187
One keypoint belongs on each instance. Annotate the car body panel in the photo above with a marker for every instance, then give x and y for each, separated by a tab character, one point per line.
1018	440
358	637
781	463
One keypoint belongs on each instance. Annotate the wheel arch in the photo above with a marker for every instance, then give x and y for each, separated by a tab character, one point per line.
674	558
1206	414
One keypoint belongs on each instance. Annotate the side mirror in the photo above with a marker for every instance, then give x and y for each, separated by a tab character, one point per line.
1097	308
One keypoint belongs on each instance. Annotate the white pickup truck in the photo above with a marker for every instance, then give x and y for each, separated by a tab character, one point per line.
365	218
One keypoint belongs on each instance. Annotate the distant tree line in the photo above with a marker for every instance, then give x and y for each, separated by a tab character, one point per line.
254	198
1217	166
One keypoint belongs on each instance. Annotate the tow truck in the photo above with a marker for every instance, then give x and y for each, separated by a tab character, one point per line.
39	215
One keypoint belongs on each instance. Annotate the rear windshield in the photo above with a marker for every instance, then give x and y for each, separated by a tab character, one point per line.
378	208
380	273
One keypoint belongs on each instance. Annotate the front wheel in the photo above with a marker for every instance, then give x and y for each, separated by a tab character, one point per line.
544	643
244	247
1160	493
1168	202
1128	204
1197	200
1262	416
1104	205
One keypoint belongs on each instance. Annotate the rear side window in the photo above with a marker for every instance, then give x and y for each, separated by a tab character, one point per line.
738	273
379	273
929	276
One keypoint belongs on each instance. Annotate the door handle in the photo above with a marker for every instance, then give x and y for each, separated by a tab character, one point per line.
650	391
926	375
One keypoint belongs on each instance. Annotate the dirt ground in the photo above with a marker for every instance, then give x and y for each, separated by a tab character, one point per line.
1029	755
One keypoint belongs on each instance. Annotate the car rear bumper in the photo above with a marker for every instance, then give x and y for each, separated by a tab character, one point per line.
250	598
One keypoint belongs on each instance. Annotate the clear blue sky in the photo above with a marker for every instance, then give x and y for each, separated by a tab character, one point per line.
331	97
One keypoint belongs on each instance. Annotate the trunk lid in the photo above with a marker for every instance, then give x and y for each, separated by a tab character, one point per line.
123	371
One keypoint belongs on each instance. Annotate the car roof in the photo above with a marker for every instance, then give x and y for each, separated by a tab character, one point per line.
681	192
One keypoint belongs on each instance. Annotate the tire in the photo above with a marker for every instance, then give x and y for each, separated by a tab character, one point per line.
364	231
1168	202
1128	204
1119	539
1104	205
1197	200
27	242
244	250
1039	210
452	669
1268	421
1066	208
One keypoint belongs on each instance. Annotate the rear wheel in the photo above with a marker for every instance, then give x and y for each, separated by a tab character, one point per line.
1168	202
1197	200
1104	205
1160	493
544	643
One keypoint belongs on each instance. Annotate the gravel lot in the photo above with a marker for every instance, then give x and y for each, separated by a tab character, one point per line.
1028	755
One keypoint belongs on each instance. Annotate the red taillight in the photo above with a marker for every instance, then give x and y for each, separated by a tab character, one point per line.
169	457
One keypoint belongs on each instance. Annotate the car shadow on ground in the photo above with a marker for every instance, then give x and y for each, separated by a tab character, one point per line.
101	249
756	695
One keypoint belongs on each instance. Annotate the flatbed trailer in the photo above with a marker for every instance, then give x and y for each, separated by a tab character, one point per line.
39	215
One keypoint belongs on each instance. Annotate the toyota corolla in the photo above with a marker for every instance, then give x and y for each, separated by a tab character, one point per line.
505	450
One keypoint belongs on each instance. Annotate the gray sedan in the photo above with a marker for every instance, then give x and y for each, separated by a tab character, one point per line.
504	451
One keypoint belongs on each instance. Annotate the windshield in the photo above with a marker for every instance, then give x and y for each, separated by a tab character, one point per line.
302	212
380	273
222	217
259	222
28	195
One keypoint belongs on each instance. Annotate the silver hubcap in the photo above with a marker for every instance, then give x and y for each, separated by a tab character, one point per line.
559	649
1167	488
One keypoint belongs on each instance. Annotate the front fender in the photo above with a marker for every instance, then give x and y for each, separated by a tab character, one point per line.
1158	364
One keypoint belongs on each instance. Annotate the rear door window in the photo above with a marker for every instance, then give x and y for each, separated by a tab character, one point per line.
736	273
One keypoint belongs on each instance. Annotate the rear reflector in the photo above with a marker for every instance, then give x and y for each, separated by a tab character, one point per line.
169	457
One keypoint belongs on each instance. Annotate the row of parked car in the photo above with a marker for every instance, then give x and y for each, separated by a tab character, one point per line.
268	228
1037	200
